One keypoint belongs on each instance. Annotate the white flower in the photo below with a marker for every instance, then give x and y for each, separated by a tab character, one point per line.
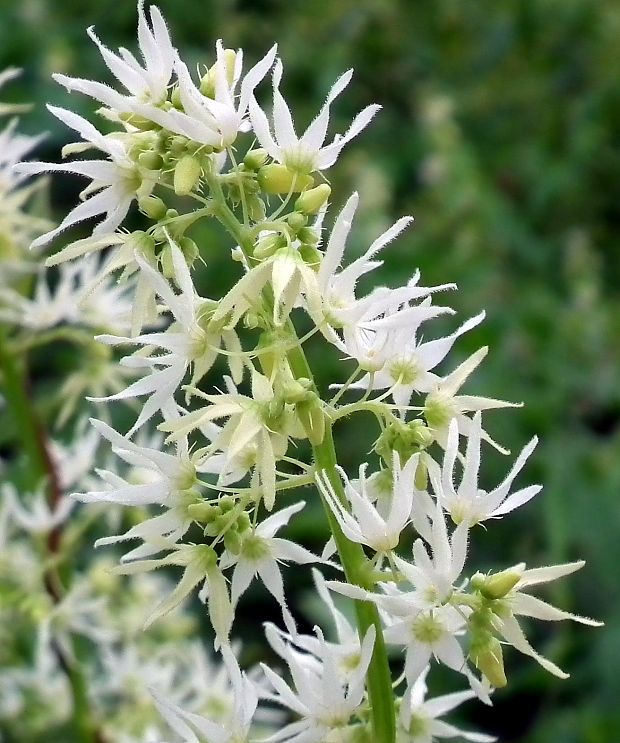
148	83
166	480
186	343
468	502
324	698
103	305
368	523
235	730
245	433
260	554
33	513
443	403
117	181
212	119
200	563
304	154
516	603
340	307
408	360
418	718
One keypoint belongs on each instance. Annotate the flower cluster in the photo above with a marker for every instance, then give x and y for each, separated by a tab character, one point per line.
213	497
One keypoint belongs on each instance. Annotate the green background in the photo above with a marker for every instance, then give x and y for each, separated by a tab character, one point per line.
500	133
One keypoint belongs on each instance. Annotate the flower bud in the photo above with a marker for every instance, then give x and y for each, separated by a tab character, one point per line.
312	418
142	243
178	145
255	159
495	586
311	256
226	503
150	160
277	178
296	221
166	262
296	390
308	235
232	541
203	513
243	522
187	173
256	208
488	658
266	246
190	250
152	206
313	199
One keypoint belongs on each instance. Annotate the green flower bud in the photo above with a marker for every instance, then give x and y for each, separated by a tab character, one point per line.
488	658
178	145
256	208
150	160
232	541
312	418
404	438
268	245
187	173
296	221
203	513
226	503
277	178
312	200
255	159
142	242
495	586
152	206
190	250
311	256
243	522
296	390
308	235
175	98
166	262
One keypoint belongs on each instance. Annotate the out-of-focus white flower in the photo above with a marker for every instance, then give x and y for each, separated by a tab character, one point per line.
33	513
468	502
166	480
304	154
234	730
418	717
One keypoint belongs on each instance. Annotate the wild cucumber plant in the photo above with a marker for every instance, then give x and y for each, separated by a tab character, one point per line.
219	481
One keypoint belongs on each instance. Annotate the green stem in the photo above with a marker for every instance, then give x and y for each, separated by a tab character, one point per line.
40	469
352	556
354	562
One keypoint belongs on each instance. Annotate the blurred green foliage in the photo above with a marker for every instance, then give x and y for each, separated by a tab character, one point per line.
500	133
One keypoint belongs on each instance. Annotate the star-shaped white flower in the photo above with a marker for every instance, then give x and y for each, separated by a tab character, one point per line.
115	182
468	502
304	154
261	551
142	83
324	697
418	717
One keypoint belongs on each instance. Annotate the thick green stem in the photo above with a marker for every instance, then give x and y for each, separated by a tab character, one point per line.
352	557
40	469
354	562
